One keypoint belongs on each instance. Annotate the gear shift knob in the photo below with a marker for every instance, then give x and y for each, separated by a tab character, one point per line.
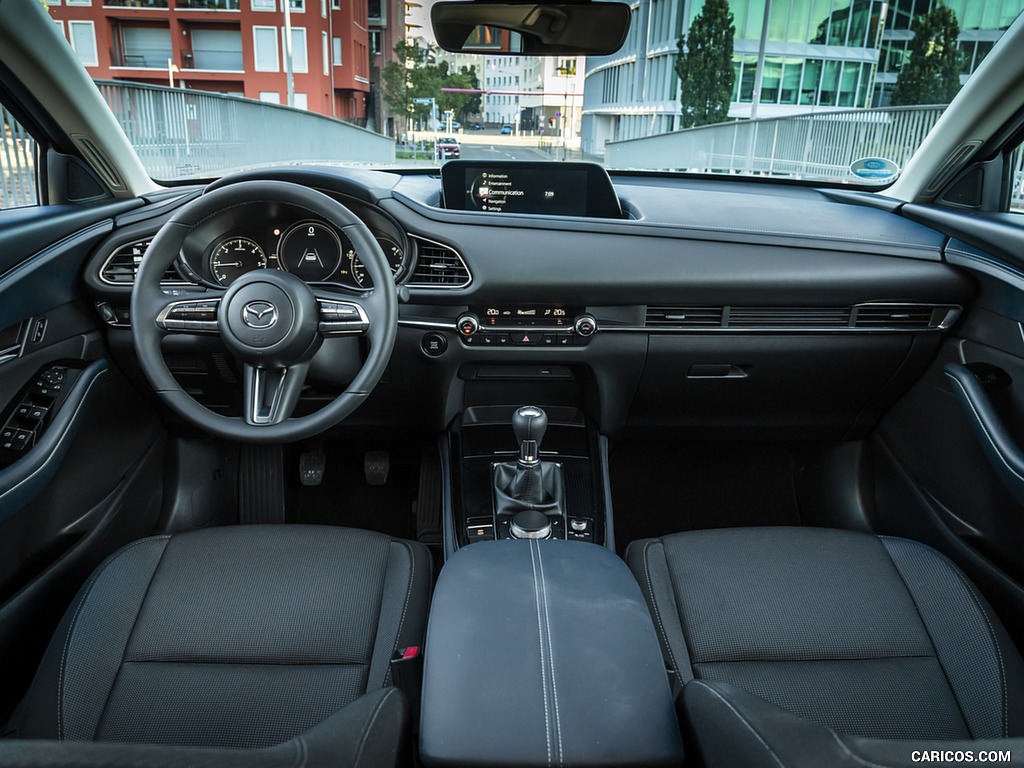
529	424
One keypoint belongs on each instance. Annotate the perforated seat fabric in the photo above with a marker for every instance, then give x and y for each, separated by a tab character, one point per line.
229	637
870	636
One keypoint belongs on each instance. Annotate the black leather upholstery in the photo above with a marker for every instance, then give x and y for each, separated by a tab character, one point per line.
236	637
869	636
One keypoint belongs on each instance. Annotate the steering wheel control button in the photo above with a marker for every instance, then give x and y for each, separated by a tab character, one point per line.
339	317
198	316
433	344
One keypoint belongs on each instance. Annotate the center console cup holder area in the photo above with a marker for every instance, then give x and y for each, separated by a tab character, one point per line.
543	653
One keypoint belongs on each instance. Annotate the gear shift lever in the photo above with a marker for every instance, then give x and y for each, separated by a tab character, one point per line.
529	424
530	490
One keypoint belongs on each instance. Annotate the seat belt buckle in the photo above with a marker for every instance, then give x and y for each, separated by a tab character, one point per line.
407	676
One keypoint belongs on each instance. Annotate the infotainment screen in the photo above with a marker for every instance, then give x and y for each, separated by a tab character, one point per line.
559	189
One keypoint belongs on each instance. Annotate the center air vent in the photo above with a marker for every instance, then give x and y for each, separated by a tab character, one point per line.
788	317
123	264
684	317
438	266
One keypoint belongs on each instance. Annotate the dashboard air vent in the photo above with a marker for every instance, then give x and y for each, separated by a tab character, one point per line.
899	316
788	317
438	266
123	264
683	317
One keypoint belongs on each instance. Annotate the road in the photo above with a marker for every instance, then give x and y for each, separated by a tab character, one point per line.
499	151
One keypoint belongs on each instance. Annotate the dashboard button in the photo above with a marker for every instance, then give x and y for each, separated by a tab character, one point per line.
488	339
526	338
433	344
502	339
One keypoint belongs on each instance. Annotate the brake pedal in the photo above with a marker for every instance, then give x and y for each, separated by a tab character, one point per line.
375	466
311	466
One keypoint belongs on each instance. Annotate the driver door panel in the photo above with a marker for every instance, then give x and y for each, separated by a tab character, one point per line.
87	478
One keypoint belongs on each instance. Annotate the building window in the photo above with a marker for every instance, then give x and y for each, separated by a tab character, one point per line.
297	6
60	26
143	47
265	49
336	43
325	52
52	2
75	2
271	97
264	5
336	5
300	60
83	39
323	8
301	102
218	49
375	41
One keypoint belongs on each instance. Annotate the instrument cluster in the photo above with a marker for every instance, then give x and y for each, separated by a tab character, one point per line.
271	235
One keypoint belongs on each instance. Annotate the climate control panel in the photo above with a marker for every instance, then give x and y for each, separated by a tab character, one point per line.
526	325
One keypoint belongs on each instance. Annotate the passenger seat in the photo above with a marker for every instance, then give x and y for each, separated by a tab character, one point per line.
805	646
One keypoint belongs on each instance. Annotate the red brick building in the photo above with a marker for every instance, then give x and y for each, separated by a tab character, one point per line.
228	46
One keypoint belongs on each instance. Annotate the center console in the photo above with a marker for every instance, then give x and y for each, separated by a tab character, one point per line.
543	653
527	473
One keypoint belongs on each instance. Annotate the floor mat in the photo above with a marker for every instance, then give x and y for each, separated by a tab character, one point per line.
345	498
661	488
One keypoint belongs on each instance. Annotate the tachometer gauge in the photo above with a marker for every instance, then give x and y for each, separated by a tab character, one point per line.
233	257
310	250
392	252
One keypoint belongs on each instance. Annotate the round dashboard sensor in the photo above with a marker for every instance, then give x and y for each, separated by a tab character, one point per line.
233	257
310	250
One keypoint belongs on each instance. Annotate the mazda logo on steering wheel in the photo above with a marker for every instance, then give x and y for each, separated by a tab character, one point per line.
259	314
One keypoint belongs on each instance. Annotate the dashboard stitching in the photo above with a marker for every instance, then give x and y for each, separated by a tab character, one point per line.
543	665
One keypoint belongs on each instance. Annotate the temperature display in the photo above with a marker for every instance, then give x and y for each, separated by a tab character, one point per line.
531	315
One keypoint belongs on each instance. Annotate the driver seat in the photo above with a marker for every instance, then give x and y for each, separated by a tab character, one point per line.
239	637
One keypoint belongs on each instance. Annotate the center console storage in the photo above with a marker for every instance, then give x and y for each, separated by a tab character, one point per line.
543	653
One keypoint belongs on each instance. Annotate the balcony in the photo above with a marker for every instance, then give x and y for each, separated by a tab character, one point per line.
207	5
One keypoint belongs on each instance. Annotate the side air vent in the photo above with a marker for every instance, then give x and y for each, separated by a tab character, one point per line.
122	265
438	266
788	317
910	316
684	317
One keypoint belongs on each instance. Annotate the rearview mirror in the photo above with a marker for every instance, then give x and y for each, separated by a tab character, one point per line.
534	29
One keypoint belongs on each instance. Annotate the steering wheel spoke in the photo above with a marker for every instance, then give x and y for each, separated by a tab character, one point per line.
271	393
340	316
190	316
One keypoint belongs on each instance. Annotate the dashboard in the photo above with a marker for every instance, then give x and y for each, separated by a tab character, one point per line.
709	306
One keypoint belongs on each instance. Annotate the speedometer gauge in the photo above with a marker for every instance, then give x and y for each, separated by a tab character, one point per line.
310	250
233	257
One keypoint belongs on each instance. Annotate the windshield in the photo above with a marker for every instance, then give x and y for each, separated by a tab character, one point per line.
830	91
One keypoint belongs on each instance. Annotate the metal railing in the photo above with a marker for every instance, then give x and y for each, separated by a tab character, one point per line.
181	134
17	163
819	145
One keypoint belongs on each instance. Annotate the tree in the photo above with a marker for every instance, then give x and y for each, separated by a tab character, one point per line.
704	66
932	73
411	76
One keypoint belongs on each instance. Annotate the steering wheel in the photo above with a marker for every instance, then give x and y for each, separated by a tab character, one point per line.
270	320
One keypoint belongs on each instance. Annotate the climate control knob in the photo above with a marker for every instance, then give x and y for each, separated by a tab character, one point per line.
467	325
585	325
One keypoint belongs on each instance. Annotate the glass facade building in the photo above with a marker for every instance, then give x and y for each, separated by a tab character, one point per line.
819	54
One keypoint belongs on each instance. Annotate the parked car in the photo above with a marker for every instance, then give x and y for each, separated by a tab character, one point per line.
476	126
447	148
679	465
